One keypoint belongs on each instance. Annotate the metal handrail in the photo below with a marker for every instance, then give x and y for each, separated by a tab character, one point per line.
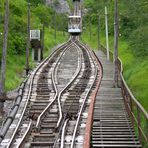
130	103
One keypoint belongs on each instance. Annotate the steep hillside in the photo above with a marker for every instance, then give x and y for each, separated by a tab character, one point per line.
133	45
40	14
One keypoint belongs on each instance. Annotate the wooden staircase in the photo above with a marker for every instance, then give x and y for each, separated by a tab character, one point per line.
111	124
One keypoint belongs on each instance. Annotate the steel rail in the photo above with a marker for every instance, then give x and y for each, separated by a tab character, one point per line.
16	129
59	104
6	123
75	76
89	121
24	136
63	133
56	89
84	101
30	90
65	117
29	128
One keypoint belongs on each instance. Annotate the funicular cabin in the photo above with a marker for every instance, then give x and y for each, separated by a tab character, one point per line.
74	26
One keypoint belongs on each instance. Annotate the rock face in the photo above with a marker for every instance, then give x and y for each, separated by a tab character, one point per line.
61	6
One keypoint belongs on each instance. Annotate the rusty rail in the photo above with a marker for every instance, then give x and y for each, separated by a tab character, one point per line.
136	112
89	122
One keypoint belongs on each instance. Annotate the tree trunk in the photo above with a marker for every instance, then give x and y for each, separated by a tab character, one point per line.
4	54
55	27
43	29
106	29
28	41
99	43
116	32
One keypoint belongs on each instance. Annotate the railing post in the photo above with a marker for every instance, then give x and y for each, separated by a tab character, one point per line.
139	125
147	129
125	97
127	101
131	110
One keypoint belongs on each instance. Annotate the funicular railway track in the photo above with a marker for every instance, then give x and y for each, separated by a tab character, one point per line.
61	106
56	108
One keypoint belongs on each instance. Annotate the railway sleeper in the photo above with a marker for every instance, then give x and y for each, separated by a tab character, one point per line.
44	138
48	126
44	89
43	103
43	93
50	120
41	144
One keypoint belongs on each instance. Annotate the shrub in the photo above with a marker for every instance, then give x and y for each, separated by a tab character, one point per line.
138	42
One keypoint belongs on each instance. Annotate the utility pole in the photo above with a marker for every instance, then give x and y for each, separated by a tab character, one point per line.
63	27
28	41
4	54
116	32
107	40
99	43
43	30
90	28
55	27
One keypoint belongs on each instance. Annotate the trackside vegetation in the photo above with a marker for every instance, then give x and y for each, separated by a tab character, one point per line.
133	38
40	14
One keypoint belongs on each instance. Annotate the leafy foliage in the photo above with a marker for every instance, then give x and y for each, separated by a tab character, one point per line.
139	41
133	43
132	16
17	36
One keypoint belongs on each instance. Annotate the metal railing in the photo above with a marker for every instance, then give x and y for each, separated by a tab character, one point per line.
136	112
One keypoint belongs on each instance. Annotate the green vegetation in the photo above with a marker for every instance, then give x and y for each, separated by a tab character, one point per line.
70	4
133	45
40	14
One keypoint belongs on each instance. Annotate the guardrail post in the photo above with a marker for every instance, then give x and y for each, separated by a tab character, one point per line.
126	100
147	129
139	125
131	110
123	94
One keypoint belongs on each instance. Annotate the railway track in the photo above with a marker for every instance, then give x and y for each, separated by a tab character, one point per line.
57	100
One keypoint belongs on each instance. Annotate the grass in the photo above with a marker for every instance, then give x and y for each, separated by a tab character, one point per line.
135	69
16	63
50	40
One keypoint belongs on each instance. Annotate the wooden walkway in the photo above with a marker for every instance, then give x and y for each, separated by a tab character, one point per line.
112	126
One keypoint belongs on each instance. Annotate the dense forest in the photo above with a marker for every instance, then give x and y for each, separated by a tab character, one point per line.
133	40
